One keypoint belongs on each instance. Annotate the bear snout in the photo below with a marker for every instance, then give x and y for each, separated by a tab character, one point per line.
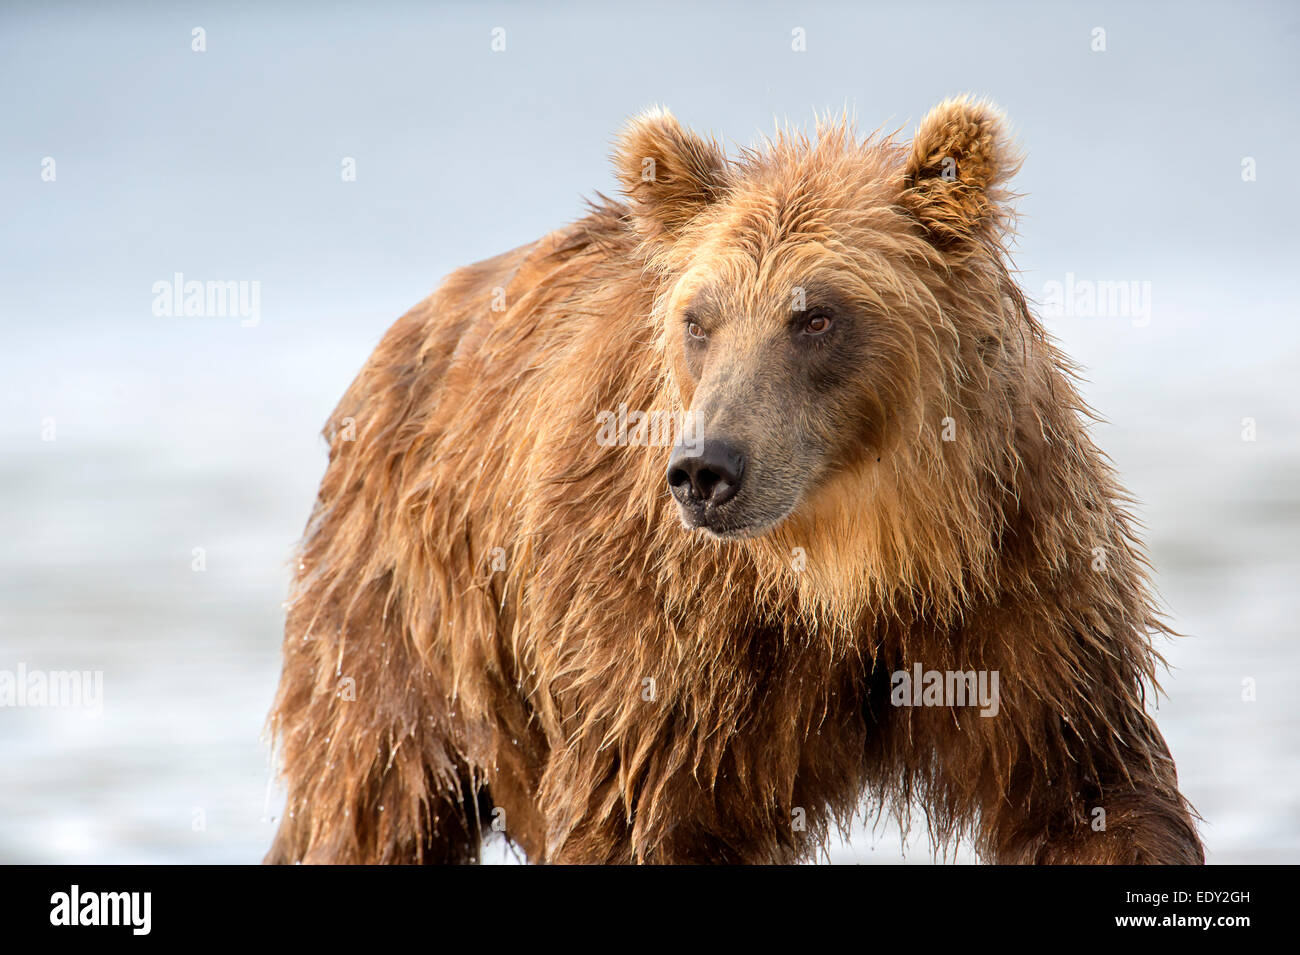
705	475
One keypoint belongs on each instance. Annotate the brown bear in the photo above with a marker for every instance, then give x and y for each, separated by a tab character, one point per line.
688	530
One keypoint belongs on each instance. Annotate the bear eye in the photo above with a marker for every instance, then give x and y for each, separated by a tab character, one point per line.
695	331
818	322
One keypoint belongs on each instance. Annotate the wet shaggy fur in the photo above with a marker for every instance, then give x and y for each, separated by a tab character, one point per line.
500	624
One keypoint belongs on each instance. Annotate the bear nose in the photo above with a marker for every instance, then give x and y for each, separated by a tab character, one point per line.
708	475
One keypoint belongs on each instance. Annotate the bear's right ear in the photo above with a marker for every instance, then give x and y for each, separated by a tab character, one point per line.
668	173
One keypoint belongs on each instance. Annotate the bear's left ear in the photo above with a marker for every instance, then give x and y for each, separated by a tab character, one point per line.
669	174
952	183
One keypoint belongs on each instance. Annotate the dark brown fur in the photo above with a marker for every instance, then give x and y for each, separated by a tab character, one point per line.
484	590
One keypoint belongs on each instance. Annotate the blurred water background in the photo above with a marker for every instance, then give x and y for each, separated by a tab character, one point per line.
177	433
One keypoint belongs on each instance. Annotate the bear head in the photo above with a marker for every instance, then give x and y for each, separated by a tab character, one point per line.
819	300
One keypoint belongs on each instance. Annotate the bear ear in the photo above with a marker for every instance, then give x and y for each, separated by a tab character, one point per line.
669	174
952	183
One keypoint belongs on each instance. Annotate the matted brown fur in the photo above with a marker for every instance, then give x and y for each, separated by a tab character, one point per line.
485	592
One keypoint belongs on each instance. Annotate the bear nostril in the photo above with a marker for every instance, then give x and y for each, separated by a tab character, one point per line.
679	478
705	483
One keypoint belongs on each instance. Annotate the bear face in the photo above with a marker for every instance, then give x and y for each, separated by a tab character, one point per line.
815	298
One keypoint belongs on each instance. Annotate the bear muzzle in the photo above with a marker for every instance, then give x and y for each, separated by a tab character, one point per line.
704	476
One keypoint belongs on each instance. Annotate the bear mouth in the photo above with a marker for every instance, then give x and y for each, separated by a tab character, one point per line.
716	524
